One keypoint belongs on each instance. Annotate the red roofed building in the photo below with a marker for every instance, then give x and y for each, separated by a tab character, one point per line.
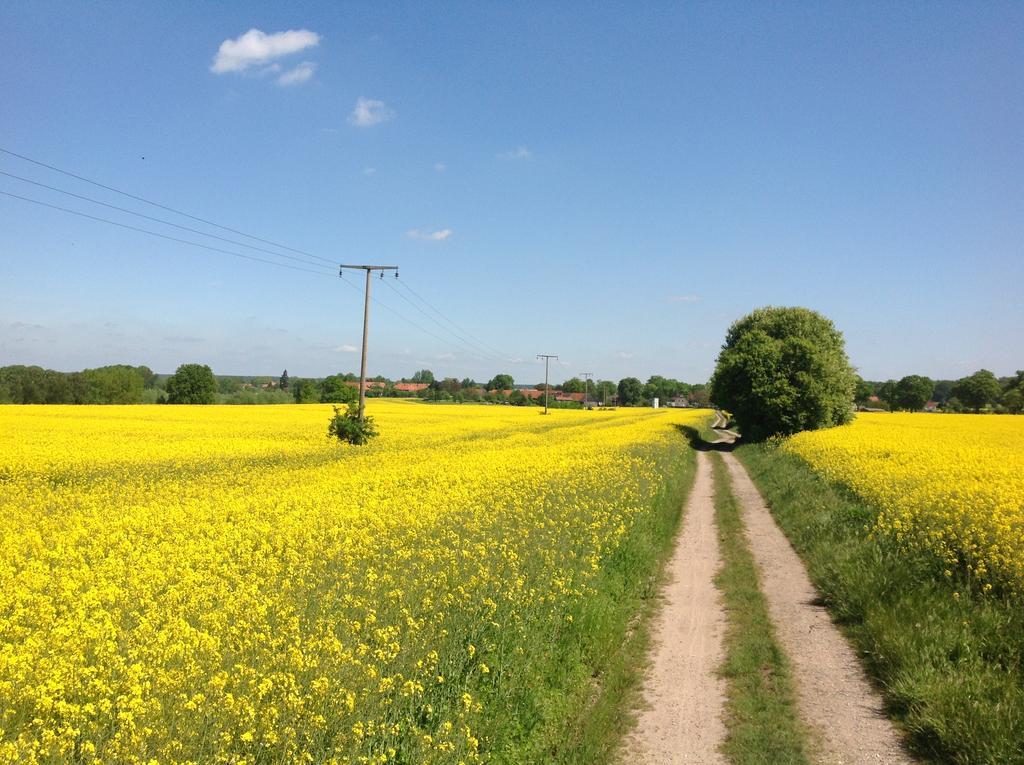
370	384
411	387
563	396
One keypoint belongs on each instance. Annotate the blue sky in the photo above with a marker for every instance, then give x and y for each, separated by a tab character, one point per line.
608	182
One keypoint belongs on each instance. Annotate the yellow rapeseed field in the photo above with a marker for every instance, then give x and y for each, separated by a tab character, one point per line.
951	486
223	584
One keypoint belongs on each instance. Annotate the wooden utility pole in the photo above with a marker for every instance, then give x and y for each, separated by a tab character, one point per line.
366	324
546	358
586	388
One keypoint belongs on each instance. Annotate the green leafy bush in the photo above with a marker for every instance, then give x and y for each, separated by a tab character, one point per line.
346	426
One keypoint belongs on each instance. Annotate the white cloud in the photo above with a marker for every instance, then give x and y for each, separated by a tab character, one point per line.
625	356
302	73
520	152
256	47
445	357
684	298
431	236
440	167
345	349
368	112
369	171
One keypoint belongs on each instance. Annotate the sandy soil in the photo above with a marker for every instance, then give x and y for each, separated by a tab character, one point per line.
835	697
681	721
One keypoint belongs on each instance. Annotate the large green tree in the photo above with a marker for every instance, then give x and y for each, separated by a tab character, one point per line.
783	370
604	391
334	390
192	384
574	385
305	391
978	391
913	392
631	392
501	382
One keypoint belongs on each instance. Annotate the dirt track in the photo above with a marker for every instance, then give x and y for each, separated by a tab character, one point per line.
682	717
835	697
681	721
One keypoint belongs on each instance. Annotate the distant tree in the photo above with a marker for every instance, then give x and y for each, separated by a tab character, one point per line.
863	391
468	382
501	382
887	392
631	392
913	392
422	376
228	385
450	385
663	388
305	391
953	404
978	390
699	398
943	390
22	385
783	370
333	390
56	388
1017	381
284	381
604	391
148	376
117	384
1013	400
192	384
574	385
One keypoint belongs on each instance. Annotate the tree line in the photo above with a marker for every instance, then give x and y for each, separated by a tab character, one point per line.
197	384
978	392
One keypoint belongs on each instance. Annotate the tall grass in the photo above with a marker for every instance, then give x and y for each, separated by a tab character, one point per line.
951	666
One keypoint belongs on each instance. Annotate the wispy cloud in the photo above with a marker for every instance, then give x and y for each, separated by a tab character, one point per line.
369	112
256	47
625	356
300	74
684	298
445	357
345	349
369	171
431	236
440	167
520	152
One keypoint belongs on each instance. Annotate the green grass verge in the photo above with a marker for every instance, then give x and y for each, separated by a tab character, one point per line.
592	674
952	668
762	720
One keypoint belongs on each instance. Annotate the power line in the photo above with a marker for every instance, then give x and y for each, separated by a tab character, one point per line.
160	220
162	236
161	206
499	355
447	343
480	342
467	344
385	306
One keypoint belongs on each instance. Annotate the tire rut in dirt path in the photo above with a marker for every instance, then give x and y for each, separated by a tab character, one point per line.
683	697
835	698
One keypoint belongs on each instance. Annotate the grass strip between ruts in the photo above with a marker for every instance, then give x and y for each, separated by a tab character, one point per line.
762	721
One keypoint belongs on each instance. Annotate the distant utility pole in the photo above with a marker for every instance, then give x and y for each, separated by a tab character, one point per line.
586	388
547	358
366	324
